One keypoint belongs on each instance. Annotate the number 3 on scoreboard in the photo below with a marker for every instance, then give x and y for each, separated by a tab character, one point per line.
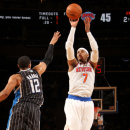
86	75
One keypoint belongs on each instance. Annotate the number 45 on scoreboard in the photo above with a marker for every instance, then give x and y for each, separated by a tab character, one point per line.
106	17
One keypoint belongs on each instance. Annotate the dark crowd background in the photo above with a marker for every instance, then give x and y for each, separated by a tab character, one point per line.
19	38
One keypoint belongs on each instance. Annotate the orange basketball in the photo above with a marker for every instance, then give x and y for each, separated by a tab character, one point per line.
73	11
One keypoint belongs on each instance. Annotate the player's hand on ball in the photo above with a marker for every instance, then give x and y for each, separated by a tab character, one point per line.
87	24
55	37
74	22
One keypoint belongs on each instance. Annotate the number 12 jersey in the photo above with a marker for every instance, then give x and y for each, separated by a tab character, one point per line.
30	89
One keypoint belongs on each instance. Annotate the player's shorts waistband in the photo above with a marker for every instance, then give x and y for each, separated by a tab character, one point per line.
29	104
79	98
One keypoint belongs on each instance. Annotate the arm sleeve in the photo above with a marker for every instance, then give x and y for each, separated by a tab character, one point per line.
94	54
49	55
69	44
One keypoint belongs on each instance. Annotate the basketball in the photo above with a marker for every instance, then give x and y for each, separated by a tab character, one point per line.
73	11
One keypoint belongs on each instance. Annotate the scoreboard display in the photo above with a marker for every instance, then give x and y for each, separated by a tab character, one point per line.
38	17
100	69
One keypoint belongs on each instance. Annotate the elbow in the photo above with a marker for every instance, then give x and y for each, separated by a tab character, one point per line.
6	95
94	56
95	48
68	45
3	96
95	51
68	48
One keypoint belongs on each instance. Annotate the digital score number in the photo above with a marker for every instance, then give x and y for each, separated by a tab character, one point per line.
105	17
127	17
100	69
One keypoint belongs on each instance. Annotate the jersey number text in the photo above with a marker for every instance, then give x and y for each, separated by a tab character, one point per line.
34	83
86	75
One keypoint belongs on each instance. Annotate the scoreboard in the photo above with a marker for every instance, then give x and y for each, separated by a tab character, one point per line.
55	18
100	69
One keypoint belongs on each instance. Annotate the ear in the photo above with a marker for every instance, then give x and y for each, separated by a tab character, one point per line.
87	55
29	66
18	65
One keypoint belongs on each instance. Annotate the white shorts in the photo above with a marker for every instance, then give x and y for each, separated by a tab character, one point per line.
79	114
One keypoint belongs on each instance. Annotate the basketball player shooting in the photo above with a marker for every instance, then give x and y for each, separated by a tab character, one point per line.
79	108
27	86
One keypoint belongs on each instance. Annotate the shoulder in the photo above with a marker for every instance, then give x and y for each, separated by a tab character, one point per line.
93	64
40	68
36	72
89	63
72	64
15	77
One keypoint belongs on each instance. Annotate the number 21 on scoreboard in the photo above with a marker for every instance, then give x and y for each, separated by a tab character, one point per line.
106	17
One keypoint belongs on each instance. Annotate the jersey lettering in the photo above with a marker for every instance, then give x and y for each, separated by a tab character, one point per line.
83	69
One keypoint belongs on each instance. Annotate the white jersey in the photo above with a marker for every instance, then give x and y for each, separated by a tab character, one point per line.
81	80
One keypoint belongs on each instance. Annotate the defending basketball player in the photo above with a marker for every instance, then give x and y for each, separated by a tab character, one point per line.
79	108
27	86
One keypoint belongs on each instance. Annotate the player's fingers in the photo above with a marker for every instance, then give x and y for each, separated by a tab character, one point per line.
77	20
86	20
70	20
56	33
59	35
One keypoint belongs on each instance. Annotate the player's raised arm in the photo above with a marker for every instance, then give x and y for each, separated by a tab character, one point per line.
13	81
94	54
69	45
41	67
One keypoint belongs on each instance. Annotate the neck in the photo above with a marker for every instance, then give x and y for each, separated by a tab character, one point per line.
83	62
23	69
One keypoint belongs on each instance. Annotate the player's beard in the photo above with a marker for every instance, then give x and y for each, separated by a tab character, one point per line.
82	60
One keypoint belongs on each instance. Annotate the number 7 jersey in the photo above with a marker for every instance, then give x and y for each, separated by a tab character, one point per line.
81	80
30	89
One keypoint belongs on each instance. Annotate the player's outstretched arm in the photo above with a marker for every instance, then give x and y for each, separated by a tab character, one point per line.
94	54
13	81
41	67
72	62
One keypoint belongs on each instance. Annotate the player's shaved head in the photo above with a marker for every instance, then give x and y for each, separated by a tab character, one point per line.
23	62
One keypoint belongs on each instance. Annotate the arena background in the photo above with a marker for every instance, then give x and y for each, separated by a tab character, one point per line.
30	33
